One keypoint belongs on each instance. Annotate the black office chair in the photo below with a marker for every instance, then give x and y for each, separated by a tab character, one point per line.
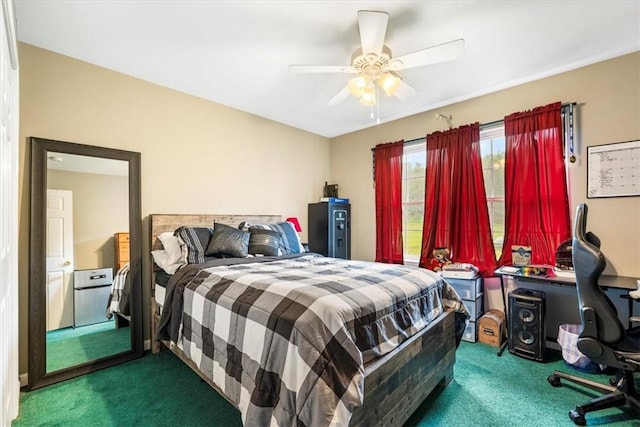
603	339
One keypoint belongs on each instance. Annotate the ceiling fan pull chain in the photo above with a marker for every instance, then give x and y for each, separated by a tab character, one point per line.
377	106
373	103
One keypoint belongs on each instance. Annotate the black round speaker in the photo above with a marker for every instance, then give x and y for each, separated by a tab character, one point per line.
527	316
527	335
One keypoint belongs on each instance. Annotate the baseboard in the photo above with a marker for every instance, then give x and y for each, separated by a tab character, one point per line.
24	379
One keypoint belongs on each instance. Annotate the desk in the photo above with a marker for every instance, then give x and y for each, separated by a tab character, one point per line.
621	283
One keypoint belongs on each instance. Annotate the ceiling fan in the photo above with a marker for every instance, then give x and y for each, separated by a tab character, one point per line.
374	65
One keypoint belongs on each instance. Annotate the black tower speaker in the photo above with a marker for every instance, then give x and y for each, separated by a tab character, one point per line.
527	334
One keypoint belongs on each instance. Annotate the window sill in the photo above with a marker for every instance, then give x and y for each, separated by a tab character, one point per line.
413	262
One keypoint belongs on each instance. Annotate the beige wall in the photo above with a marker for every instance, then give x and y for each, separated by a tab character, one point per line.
608	97
100	209
197	156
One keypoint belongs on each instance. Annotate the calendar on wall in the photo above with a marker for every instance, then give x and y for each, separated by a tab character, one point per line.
613	170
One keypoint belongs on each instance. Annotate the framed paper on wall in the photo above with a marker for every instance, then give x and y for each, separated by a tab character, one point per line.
613	170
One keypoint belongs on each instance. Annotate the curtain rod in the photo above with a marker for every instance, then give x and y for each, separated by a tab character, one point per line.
482	125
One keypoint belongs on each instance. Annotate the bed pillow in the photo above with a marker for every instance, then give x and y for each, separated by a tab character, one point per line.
228	241
162	260
289	239
171	257
264	242
171	244
196	240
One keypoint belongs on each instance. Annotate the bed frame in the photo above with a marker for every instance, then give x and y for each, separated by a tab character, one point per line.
394	385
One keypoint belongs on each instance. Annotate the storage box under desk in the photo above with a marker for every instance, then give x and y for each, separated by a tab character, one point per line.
468	289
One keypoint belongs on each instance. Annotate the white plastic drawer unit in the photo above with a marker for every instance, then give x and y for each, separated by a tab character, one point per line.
468	289
470	332
474	307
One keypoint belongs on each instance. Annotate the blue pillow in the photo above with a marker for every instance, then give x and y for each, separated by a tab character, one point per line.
289	239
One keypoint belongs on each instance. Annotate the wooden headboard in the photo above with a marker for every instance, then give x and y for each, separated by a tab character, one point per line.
159	223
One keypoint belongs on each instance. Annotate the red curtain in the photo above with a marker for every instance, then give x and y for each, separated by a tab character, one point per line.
536	198
456	214
388	180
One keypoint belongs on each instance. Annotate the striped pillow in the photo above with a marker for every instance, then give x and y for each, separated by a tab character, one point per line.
196	239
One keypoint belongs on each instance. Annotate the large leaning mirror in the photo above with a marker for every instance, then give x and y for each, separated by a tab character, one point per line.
85	295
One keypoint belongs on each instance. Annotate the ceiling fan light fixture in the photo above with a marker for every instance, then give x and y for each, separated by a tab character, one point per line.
373	67
357	85
389	83
368	97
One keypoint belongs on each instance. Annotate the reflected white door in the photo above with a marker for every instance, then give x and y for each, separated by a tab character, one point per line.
59	244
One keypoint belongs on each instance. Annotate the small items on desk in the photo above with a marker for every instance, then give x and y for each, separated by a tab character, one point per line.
507	269
536	270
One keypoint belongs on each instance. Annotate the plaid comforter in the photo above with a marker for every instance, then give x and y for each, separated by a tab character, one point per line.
286	340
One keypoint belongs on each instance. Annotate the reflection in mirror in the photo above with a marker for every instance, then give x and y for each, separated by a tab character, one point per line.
87	244
85	291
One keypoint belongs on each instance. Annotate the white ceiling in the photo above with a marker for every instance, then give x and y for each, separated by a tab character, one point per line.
236	53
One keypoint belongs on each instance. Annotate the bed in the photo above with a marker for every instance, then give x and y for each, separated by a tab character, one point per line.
391	383
118	302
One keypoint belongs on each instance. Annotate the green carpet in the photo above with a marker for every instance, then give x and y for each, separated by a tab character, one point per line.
73	346
160	390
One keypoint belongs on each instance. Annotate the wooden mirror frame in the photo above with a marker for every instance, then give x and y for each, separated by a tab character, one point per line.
38	377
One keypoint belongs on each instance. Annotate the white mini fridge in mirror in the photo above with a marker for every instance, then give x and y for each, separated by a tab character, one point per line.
91	290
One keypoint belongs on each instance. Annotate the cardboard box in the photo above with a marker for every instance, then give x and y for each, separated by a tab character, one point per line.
520	255
491	328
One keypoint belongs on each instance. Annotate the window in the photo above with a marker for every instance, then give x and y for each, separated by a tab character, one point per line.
492	152
414	164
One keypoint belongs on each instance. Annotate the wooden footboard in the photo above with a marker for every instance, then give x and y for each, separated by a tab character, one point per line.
397	383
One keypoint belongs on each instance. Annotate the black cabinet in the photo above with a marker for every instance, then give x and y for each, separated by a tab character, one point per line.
330	229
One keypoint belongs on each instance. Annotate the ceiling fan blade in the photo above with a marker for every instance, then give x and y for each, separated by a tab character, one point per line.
431	55
405	91
322	69
340	97
373	27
